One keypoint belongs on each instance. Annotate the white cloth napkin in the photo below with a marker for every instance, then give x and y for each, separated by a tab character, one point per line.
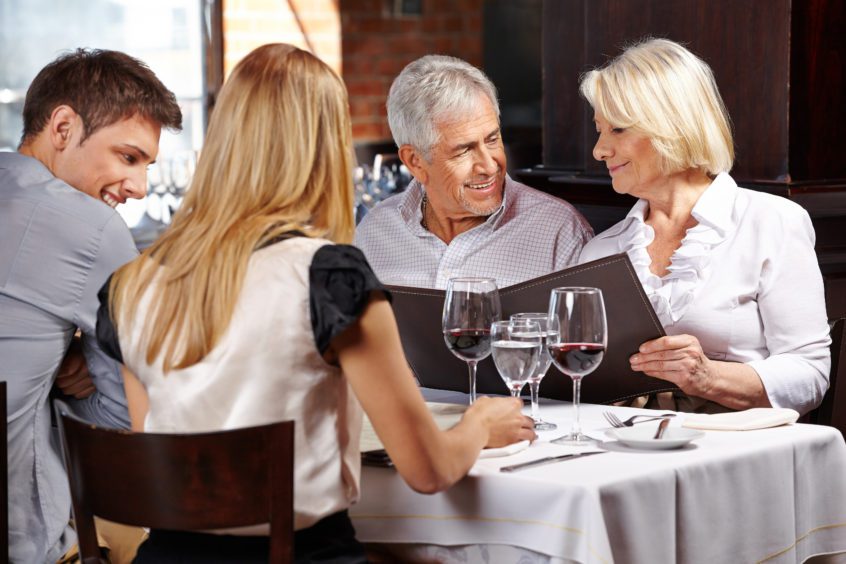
513	448
755	418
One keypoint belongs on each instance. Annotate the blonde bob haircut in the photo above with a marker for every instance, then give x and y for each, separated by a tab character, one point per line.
277	158
663	91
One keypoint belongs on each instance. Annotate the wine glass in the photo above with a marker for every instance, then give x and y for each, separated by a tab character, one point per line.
577	315
542	319
470	307
516	348
182	167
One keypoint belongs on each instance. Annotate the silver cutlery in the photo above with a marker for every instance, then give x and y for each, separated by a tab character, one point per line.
662	426
547	460
617	422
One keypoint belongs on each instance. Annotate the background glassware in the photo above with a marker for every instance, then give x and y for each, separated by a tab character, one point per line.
544	361
470	307
152	222
516	349
578	345
182	167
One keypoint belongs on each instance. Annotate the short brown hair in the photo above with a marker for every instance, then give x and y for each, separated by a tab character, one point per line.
103	87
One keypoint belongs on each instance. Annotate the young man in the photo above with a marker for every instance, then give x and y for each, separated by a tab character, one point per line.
92	121
462	215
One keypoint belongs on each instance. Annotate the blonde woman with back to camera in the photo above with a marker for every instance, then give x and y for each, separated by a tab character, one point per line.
252	309
731	272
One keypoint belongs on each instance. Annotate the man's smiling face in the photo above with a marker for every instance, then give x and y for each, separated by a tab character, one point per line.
111	164
466	174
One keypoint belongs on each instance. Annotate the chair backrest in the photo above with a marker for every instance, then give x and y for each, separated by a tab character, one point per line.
193	482
4	479
832	411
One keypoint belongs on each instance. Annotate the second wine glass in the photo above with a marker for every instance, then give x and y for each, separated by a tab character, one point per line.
542	319
516	348
470	307
577	315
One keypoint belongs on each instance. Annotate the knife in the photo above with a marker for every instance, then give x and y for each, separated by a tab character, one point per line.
547	460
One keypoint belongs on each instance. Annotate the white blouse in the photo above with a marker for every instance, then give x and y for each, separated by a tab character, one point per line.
744	281
266	368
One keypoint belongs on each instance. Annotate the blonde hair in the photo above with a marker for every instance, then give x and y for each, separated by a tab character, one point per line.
660	89
277	158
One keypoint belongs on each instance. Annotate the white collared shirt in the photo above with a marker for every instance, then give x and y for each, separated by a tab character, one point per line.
744	281
530	235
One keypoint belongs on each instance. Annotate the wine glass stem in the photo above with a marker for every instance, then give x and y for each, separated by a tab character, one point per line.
534	388
577	390
471	365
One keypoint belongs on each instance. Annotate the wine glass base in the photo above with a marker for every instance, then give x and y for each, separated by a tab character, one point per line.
541	425
572	439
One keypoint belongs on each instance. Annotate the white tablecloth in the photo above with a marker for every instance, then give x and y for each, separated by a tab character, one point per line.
775	495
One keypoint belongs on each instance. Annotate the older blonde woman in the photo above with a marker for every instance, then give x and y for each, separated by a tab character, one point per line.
731	272
250	310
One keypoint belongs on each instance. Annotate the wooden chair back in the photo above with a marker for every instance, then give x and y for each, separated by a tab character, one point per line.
832	411
190	482
4	482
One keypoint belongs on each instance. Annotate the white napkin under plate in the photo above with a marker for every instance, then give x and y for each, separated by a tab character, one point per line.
513	448
747	420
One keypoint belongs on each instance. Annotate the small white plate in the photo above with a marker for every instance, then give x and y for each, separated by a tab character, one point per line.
642	437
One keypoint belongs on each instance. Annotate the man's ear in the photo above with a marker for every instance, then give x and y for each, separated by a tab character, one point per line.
62	126
414	162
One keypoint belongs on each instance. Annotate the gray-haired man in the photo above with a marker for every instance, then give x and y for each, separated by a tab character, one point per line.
462	215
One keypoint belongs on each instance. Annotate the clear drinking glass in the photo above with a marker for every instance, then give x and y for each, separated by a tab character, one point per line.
577	315
542	320
516	348
470	307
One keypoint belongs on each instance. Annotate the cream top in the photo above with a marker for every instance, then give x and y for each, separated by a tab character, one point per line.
267	368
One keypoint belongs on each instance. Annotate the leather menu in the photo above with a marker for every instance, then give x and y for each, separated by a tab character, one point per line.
631	321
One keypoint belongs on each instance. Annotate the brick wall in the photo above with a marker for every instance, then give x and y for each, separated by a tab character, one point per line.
314	25
364	40
376	45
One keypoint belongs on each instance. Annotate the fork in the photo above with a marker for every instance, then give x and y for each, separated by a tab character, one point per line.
616	422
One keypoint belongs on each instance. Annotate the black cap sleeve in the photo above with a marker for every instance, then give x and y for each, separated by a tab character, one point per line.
340	282
106	332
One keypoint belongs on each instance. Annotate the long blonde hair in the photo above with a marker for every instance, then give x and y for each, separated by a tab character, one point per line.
277	158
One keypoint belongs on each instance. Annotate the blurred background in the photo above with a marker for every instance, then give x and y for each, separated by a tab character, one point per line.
193	44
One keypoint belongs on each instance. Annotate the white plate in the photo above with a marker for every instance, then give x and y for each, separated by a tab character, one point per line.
642	437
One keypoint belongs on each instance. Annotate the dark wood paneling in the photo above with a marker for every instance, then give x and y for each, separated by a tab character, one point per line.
563	62
781	69
818	90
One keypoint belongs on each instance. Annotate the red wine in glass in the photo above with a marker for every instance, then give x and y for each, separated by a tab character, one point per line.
470	306
577	359
469	344
578	346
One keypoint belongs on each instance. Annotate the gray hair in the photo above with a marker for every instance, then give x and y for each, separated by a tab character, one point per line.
431	89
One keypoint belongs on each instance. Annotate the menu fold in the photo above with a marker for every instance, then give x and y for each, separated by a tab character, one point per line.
631	321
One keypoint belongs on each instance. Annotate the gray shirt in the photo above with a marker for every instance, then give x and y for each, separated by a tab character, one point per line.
59	246
531	234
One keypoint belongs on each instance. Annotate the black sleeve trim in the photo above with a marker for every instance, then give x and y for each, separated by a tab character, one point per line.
340	283
106	332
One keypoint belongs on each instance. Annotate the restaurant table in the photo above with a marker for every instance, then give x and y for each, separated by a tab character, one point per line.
770	495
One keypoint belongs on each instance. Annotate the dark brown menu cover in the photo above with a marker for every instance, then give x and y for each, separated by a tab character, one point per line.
631	321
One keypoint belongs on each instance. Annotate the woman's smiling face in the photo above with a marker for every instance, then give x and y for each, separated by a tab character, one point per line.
632	161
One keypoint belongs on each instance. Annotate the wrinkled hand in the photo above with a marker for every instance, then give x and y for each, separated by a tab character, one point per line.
73	378
678	359
506	423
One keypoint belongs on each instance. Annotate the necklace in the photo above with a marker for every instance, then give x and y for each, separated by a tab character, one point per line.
423	208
